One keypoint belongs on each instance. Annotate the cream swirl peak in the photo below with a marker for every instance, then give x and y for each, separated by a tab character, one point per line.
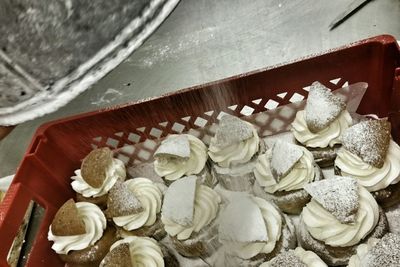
329	136
302	173
324	226
180	155
367	175
116	171
255	232
235	142
204	210
95	223
144	251
150	197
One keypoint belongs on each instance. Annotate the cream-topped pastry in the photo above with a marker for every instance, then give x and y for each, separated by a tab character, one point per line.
253	230
369	155
136	252
297	257
235	142
188	208
341	213
378	252
188	214
297	164
76	226
180	155
282	172
324	119
150	197
250	226
98	173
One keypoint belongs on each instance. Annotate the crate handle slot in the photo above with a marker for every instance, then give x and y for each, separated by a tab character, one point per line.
12	211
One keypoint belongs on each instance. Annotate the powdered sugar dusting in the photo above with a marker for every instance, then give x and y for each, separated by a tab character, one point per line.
369	140
231	130
242	221
338	195
179	201
287	258
121	201
322	107
284	157
385	253
175	145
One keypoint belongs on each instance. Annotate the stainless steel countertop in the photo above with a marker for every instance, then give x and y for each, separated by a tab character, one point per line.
206	40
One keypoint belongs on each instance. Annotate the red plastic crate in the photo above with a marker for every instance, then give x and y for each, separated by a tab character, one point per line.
58	147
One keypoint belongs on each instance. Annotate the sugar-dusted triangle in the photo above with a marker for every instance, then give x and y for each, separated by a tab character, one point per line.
369	140
287	258
179	199
68	221
385	253
94	166
284	157
120	256
322	107
231	130
338	195
242	221
174	145
121	201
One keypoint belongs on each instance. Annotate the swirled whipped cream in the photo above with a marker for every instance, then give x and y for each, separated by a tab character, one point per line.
329	136
150	196
114	172
172	166
324	226
144	251
237	245
235	142
301	174
95	223
306	257
367	175
206	206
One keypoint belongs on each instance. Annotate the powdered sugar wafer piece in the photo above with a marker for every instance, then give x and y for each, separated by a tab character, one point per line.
179	198
284	157
242	221
174	145
338	195
94	166
287	258
369	140
121	201
231	130
322	107
119	256
67	221
385	253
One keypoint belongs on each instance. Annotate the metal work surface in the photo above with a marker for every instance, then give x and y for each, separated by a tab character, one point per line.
206	40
